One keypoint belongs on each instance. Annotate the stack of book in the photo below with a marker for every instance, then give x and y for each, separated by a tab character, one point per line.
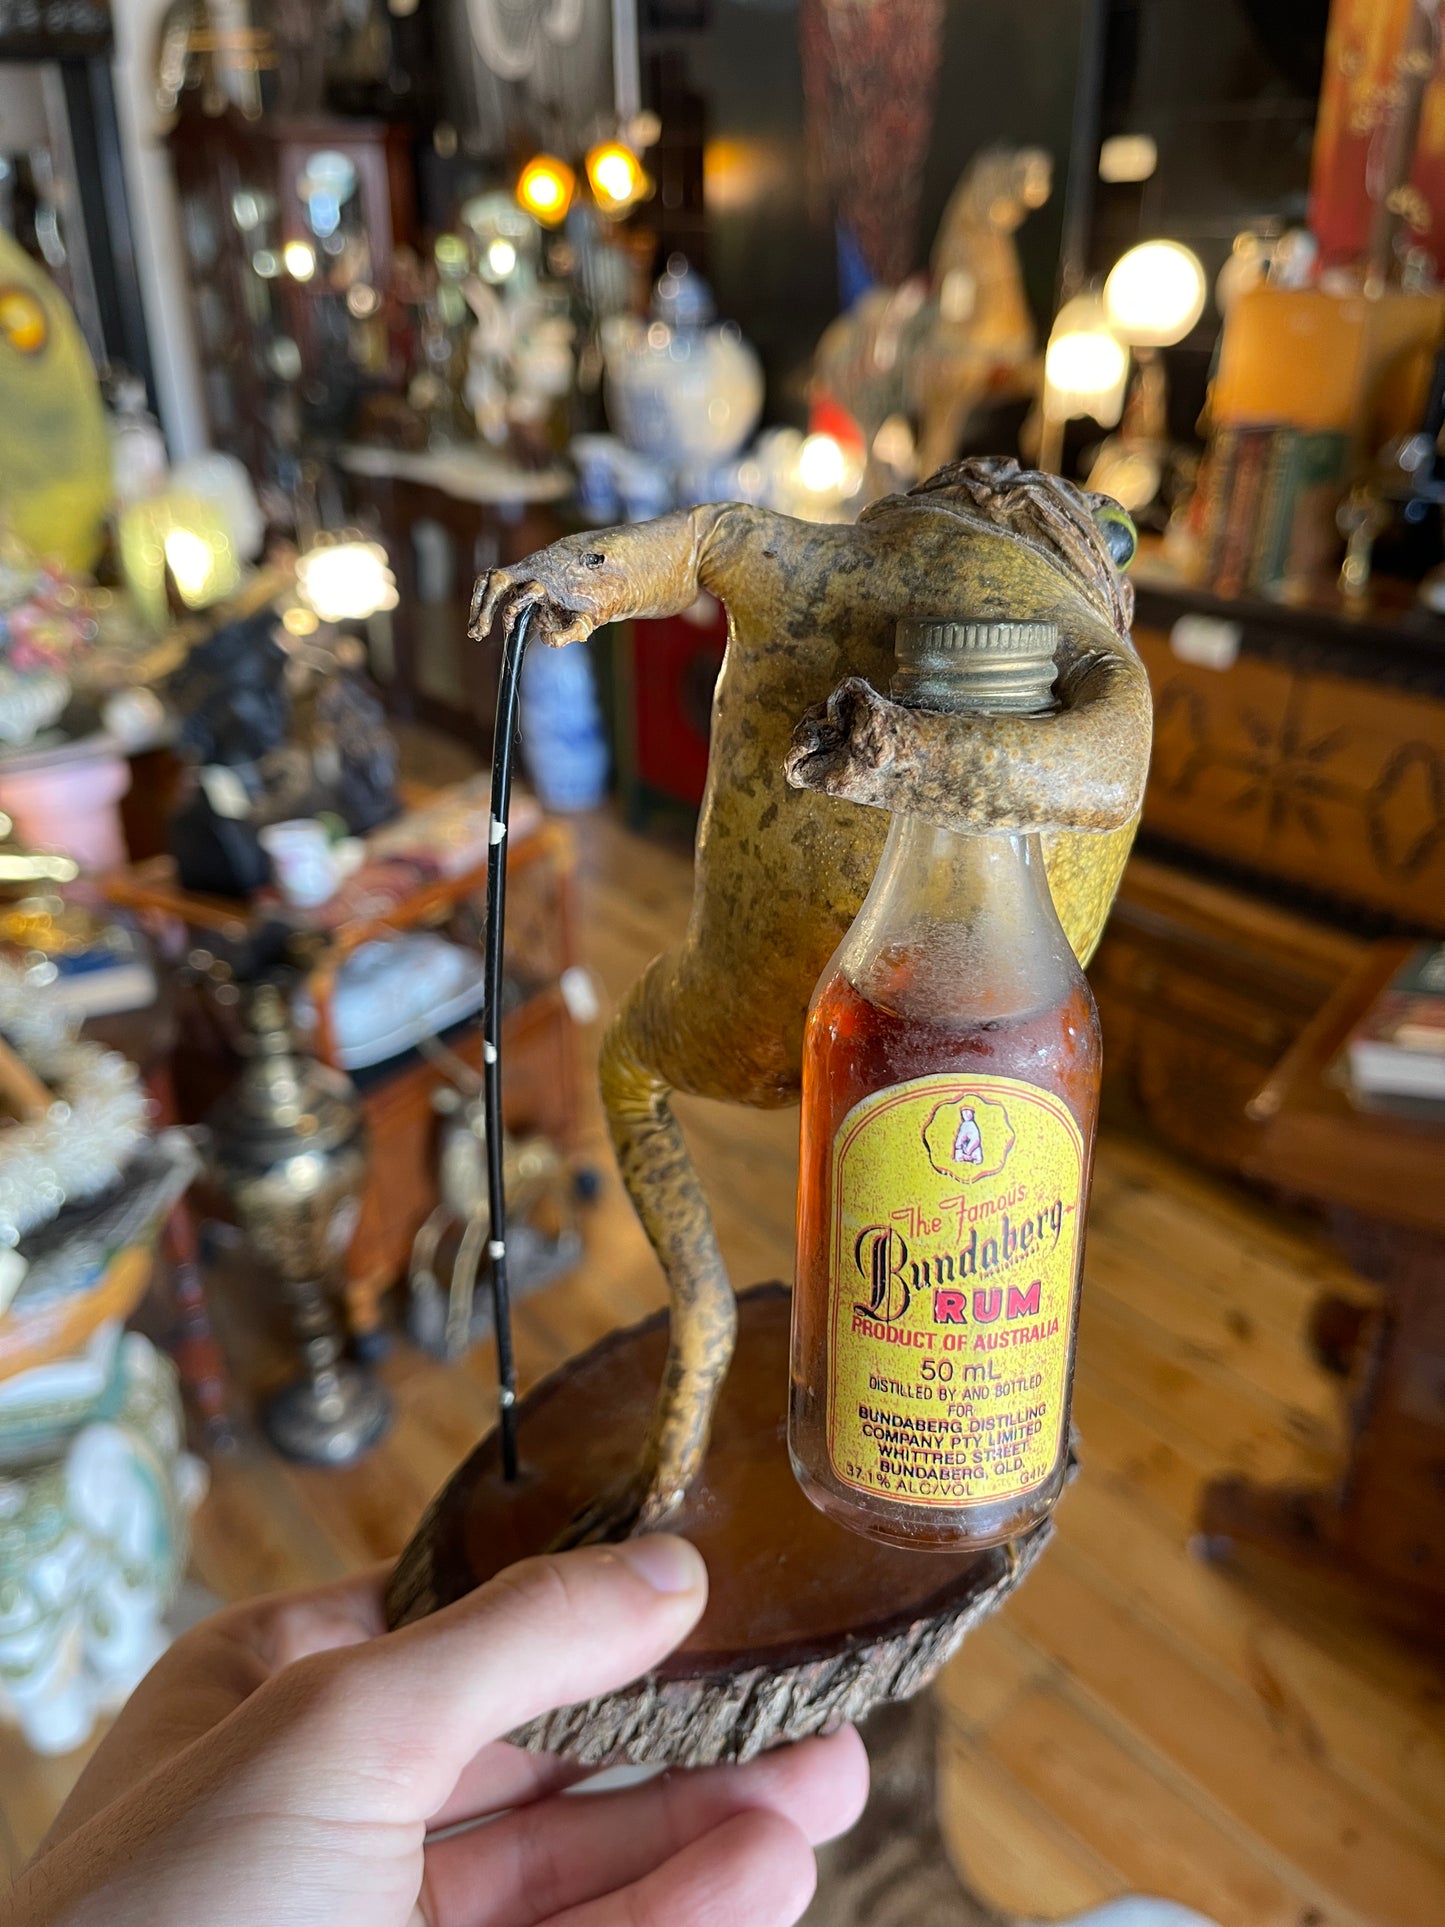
1398	1047
1269	511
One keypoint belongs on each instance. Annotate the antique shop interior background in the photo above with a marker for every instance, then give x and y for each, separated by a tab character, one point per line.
310	317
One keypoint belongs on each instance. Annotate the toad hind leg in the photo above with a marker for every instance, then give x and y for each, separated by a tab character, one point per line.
663	1185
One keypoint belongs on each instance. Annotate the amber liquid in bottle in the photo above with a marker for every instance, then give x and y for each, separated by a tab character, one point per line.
950	1094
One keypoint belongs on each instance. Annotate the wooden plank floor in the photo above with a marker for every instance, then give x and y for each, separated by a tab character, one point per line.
1135	1720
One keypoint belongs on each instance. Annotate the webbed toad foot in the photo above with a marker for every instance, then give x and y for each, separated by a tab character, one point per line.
635	1505
847	746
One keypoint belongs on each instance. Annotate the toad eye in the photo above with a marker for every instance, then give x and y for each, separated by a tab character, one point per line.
1116	526
593	559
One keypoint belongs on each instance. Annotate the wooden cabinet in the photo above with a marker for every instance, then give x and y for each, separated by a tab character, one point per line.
445	521
1329	783
1295	805
287	302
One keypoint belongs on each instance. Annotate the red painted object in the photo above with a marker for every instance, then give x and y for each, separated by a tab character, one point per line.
675	664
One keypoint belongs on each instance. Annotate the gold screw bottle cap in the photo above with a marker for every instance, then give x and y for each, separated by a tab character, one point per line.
999	668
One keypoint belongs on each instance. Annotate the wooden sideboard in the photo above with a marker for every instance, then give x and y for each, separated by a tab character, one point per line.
1314	763
1202	988
1295	806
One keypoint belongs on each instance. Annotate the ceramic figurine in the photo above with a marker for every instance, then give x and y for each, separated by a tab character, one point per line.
680	390
802	735
93	1546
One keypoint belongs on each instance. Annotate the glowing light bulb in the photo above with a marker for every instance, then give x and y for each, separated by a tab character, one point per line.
501	258
1128	157
346	581
821	467
193	564
616	177
1086	366
545	189
1155	294
1085	363
300	260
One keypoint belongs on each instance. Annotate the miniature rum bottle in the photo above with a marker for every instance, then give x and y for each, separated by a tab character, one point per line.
950	1092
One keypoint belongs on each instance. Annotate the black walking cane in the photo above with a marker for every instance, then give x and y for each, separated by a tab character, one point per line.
503	743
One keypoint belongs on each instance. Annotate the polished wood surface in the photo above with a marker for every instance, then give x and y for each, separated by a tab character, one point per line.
1315	1142
1378	1177
746	1514
806	1624
1201	989
1135	1719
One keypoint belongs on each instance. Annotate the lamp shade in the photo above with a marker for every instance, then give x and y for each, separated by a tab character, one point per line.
345	579
1155	294
1086	366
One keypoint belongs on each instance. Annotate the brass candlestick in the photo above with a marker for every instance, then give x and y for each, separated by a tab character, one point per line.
288	1148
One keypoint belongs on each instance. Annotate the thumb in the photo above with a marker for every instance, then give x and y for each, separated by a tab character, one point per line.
416	1705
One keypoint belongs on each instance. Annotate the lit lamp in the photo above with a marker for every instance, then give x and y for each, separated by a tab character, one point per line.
545	189
827	473
299	259
504	236
344	578
617	178
1153	297
181	537
1086	367
1155	294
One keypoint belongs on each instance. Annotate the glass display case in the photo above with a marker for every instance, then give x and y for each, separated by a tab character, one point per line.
290	228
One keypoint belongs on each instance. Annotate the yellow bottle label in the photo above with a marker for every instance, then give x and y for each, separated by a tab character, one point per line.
957	1223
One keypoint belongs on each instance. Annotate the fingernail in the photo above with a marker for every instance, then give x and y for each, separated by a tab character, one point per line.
665	1562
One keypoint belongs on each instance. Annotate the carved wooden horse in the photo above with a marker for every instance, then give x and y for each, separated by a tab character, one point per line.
937	355
800	735
982	341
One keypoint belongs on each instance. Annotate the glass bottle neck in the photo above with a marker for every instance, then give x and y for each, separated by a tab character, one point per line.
959	925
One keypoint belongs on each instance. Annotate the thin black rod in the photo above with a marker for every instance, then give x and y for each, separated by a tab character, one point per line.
508	693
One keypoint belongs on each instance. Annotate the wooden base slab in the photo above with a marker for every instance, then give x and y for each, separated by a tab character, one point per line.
807	1626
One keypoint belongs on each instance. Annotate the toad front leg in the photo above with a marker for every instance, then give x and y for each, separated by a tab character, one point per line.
1074	777
603	575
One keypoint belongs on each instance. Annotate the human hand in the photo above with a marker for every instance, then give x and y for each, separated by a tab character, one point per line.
288	1760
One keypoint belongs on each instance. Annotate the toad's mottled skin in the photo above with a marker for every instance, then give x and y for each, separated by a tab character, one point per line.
800	735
